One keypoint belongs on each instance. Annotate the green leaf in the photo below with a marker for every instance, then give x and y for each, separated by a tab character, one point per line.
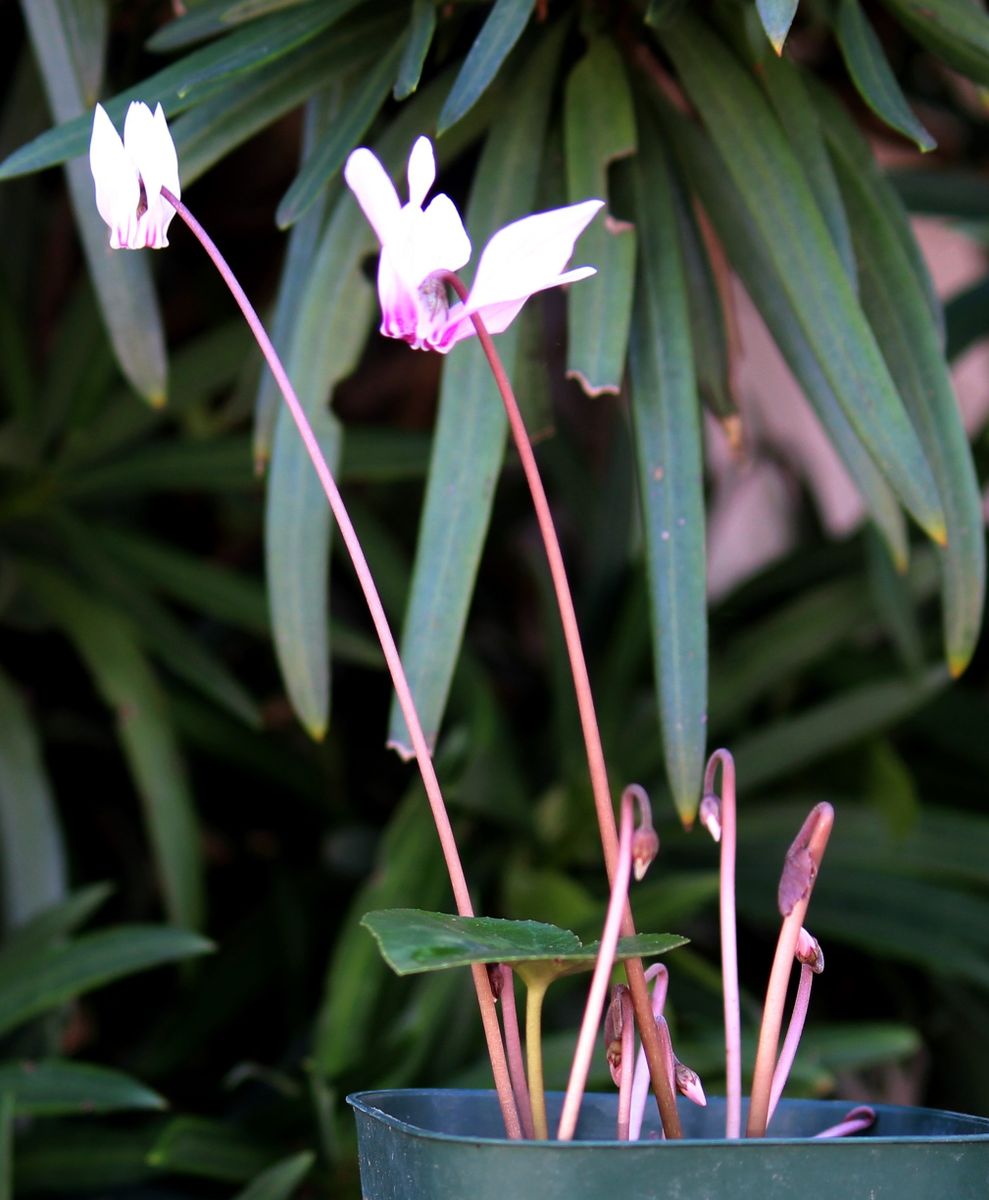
956	30
501	30
901	321
58	973
600	128
422	26
62	1158
966	316
785	87
777	17
751	257
122	281
208	1150
852	716
468	445
873	76
51	926
412	941
947	192
408	867
779	203
895	604
6	1146
110	650
210	18
278	1182
668	446
57	1088
329	153
32	854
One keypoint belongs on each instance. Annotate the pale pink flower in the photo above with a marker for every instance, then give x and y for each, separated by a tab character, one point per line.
418	244
130	174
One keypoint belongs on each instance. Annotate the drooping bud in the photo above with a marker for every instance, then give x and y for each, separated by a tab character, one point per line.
688	1084
709	815
803	858
614	1024
809	951
495	979
645	840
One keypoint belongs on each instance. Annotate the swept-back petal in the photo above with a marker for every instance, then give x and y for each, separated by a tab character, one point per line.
118	187
529	255
422	171
439	241
374	191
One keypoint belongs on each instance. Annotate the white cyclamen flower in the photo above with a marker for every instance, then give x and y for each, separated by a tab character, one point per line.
418	244
130	174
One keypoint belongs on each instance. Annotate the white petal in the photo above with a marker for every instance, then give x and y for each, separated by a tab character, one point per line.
375	192
117	186
422	171
529	255
438	239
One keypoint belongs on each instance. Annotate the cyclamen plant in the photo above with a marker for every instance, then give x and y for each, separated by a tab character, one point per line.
422	246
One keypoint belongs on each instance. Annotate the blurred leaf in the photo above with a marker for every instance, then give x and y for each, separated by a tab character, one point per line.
468	445
895	603
321	109
56	974
873	76
16	371
51	925
32	854
329	153
190	464
210	17
777	200
859	1046
850	717
412	941
408	867
899	317
110	651
55	1088
967	318
600	127
62	1158
421	27
947	192
6	1146
784	85
955	30
208	1150
891	788
279	1181
668	446
122	281
777	17
750	256
502	28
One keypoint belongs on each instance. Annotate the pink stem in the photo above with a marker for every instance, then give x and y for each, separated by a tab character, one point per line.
513	1044
729	939
458	881
634	970
801	1003
599	981
628	1056
803	861
640	1085
858	1119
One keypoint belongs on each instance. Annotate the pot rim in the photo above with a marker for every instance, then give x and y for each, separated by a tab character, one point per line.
364	1102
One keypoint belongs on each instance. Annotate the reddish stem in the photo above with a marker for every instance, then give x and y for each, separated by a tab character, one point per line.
729	938
801	1003
634	970
803	861
640	1084
855	1121
513	1044
628	1071
458	881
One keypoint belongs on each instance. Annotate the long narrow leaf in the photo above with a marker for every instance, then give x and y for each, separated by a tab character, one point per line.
469	442
502	29
32	853
56	1088
110	650
957	30
667	427
779	203
279	1181
421	27
777	17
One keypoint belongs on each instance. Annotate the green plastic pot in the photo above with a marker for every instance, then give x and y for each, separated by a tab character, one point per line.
440	1144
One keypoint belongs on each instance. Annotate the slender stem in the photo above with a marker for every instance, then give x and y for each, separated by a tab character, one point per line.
513	1044
729	938
640	1085
628	1056
799	874
458	881
535	992
599	981
634	970
801	1002
855	1121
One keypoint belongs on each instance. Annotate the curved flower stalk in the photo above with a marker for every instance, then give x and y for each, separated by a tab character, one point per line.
420	244
125	207
416	244
811	959
659	975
